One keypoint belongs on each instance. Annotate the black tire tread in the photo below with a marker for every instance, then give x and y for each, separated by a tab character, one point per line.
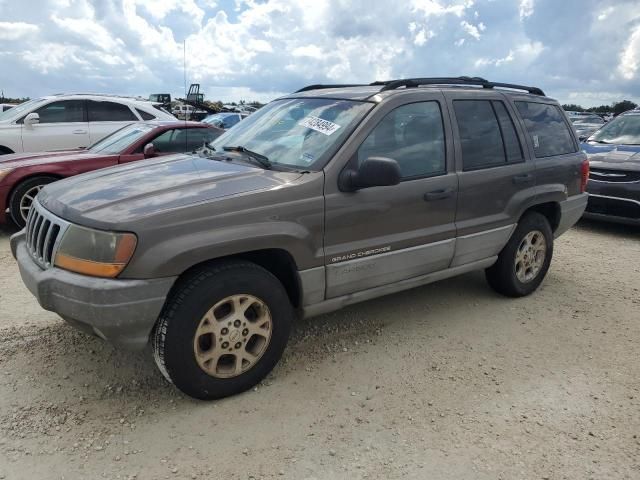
501	275
179	297
20	189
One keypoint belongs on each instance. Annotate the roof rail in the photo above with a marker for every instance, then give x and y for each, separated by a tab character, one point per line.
416	82
107	95
320	86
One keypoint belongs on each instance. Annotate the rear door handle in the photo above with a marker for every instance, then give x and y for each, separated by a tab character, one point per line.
521	179
79	132
438	194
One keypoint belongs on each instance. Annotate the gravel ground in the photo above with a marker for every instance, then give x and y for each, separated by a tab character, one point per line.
447	381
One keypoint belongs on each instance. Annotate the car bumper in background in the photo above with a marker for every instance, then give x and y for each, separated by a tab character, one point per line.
614	202
123	312
570	212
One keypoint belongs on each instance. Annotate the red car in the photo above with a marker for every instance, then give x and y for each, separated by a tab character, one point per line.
22	175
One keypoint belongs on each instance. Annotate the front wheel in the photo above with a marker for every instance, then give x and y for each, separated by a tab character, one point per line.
223	329
23	196
523	262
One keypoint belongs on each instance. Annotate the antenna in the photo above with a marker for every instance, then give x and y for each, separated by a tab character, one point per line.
184	67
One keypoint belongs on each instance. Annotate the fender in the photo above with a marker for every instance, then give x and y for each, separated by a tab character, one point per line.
175	255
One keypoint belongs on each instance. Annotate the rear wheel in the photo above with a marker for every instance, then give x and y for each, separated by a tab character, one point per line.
23	196
524	261
222	330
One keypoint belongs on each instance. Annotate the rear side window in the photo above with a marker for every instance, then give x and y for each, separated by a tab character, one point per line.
481	134
512	146
549	132
413	136
62	112
144	115
109	112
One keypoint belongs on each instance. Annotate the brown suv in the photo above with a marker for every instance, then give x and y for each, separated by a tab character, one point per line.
323	198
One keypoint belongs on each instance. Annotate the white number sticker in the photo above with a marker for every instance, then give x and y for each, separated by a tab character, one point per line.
319	125
536	143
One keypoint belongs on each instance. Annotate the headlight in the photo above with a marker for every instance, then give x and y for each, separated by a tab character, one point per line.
94	252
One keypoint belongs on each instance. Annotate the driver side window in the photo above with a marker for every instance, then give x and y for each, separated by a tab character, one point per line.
412	135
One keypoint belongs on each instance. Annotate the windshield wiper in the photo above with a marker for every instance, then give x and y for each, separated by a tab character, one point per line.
260	159
600	141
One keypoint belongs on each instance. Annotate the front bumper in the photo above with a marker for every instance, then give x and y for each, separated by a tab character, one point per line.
570	212
123	312
614	202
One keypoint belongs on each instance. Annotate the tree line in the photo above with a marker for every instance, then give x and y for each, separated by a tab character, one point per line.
616	107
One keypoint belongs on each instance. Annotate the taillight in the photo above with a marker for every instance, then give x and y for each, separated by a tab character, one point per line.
585	176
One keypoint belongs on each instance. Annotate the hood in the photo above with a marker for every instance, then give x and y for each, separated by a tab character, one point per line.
15	160
123	194
620	157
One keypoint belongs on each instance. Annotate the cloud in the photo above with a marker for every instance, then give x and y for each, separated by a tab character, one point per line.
473	30
526	8
16	30
630	57
264	48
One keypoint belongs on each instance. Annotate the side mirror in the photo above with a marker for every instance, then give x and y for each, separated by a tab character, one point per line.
374	172
582	138
31	119
149	151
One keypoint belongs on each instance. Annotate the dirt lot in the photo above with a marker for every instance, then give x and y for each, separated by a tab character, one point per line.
447	381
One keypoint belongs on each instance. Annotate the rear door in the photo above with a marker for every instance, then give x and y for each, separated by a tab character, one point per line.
554	146
494	175
106	117
381	235
63	126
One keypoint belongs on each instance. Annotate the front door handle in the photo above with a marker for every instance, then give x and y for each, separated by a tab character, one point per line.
522	179
438	194
79	132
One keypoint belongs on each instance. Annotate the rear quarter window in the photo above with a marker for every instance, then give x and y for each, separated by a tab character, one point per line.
546	126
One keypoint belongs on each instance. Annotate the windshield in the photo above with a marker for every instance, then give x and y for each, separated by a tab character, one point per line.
624	130
297	132
21	109
121	139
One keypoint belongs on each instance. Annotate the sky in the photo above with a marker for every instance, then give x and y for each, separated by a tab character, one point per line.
578	51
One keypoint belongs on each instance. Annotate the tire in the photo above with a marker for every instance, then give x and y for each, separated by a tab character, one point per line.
190	330
16	205
519	270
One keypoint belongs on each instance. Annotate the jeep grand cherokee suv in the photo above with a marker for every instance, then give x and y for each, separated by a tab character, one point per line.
326	197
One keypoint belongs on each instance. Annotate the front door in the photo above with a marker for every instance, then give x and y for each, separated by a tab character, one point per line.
494	178
381	235
62	126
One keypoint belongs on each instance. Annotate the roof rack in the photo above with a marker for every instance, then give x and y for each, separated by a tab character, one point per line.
416	82
321	87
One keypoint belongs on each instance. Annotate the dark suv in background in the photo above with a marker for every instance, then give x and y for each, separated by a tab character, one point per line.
323	198
614	179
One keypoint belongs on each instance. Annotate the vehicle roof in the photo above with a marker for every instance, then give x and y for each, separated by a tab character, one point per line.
379	92
222	114
100	96
174	124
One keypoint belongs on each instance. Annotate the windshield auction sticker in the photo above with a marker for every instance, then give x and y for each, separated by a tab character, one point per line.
319	125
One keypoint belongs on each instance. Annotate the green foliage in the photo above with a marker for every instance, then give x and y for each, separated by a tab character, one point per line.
615	108
4	99
623	106
573	107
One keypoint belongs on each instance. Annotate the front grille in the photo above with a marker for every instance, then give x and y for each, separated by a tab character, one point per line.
43	234
617	207
614	176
